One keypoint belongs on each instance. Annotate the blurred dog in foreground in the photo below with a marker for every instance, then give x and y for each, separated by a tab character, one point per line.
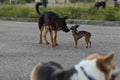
95	67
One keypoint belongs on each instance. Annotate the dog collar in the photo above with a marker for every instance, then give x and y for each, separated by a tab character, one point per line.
88	76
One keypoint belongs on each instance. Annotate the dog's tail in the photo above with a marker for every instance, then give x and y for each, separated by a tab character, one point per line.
37	7
34	72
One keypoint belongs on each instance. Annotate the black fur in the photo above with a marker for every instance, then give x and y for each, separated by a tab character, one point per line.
47	69
100	4
54	71
52	19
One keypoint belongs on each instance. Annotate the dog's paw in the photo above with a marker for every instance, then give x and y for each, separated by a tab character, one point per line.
40	42
47	43
75	46
53	45
56	44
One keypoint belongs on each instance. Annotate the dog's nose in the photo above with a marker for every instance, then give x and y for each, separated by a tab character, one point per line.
68	30
115	75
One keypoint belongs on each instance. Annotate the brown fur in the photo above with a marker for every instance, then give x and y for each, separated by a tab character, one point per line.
94	56
79	34
105	64
34	73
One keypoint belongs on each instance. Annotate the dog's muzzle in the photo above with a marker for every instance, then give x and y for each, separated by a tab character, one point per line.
66	29
115	75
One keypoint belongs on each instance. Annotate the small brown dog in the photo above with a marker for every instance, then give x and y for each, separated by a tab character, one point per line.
79	34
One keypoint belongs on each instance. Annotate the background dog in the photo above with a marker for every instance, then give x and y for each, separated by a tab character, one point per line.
79	34
100	4
51	21
95	67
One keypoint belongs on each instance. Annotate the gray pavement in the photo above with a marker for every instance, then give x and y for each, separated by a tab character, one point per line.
20	50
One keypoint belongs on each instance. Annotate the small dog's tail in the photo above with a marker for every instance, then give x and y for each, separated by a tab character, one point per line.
37	7
34	72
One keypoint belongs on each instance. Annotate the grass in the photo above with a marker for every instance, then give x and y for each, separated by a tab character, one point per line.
16	11
76	12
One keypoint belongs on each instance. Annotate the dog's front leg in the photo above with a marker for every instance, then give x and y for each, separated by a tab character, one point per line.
51	36
55	38
75	39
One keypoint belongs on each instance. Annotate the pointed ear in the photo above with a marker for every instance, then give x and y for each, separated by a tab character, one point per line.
65	17
109	57
108	61
77	25
58	74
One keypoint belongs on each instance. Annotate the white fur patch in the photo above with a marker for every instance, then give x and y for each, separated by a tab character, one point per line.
90	68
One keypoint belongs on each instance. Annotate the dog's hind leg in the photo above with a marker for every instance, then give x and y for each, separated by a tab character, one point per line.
51	36
87	42
41	30
55	38
45	34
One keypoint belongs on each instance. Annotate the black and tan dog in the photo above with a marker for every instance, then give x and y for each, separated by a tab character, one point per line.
94	67
79	34
52	22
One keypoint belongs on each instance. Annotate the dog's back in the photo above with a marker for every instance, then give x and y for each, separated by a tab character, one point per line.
47	18
51	18
84	33
44	71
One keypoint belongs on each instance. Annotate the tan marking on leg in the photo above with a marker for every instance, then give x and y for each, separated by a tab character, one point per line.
40	41
45	34
55	38
51	36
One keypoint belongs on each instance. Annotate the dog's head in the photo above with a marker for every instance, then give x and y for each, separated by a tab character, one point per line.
62	24
99	67
74	27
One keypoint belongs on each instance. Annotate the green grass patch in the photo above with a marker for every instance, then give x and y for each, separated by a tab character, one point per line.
88	13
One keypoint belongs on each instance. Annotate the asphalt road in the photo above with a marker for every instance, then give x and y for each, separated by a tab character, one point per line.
20	50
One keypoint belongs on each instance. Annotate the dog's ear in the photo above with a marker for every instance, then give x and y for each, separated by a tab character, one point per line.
110	56
62	20
108	61
77	25
65	17
58	75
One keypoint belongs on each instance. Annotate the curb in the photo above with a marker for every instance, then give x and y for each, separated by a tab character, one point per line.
70	21
95	22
